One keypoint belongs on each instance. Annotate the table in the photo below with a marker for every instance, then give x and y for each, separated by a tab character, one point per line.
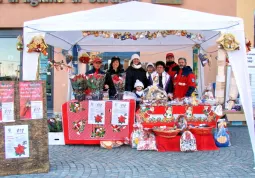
77	130
151	116
204	143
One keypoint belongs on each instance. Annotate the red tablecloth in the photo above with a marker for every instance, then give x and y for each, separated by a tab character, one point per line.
166	115
74	119
204	143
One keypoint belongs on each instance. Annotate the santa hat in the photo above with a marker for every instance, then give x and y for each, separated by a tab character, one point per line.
138	83
135	56
150	64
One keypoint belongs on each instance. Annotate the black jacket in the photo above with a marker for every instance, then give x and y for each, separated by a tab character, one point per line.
109	82
132	75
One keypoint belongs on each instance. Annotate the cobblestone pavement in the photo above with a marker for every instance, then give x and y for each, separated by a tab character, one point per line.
92	161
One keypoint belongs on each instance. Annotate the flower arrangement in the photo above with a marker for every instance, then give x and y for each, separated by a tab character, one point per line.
79	84
95	82
55	123
119	82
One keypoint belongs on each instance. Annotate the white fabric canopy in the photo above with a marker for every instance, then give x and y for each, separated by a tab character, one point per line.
64	31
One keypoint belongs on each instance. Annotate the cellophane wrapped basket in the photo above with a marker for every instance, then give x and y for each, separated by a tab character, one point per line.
201	130
166	132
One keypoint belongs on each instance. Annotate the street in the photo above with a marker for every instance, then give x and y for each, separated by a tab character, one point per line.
92	161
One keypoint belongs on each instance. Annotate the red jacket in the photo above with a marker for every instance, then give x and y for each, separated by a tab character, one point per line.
172	68
184	82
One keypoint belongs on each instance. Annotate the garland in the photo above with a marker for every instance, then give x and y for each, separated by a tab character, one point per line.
140	35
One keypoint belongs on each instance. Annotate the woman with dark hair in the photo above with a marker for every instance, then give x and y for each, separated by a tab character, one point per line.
135	72
114	70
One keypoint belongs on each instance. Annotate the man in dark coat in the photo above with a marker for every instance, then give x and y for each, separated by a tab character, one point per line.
135	72
184	80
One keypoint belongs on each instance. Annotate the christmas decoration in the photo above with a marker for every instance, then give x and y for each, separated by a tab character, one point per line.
55	123
98	132
76	107
98	118
121	119
19	43
19	150
228	42
38	44
204	58
58	65
79	126
248	45
84	58
140	35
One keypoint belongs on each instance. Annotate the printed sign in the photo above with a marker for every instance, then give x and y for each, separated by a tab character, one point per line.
6	101
96	113
16	141
31	100
120	112
251	58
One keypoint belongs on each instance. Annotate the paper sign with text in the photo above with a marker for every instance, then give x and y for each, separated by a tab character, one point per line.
6	101
31	100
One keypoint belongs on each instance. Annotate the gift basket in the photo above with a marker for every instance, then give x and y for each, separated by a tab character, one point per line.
155	96
166	132
79	85
202	129
207	96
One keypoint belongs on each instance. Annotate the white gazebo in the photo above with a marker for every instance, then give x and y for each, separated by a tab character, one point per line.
65	31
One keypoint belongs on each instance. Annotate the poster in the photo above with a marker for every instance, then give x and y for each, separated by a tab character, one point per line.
16	141
31	100
96	114
120	112
6	101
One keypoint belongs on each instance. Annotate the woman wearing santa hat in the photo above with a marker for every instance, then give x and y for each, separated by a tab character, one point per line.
135	72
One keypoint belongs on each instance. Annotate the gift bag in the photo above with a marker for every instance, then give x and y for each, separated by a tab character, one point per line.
221	137
135	138
147	141
188	142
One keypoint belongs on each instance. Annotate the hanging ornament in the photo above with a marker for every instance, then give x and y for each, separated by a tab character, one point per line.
204	59
84	58
58	65
183	33
37	44
139	35
19	43
188	35
228	42
248	45
159	35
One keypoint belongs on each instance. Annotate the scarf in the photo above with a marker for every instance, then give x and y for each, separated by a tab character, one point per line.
139	93
137	66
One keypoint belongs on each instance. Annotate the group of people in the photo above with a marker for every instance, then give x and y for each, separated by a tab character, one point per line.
177	80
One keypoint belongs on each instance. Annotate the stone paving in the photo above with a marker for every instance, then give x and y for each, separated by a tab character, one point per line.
92	161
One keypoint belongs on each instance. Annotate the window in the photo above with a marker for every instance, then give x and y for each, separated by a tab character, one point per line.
10	57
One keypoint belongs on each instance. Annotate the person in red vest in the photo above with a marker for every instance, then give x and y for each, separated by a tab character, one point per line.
184	80
171	66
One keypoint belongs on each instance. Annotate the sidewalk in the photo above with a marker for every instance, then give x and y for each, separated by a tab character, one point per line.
95	162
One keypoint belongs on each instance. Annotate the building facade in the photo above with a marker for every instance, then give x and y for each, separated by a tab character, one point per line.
13	13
